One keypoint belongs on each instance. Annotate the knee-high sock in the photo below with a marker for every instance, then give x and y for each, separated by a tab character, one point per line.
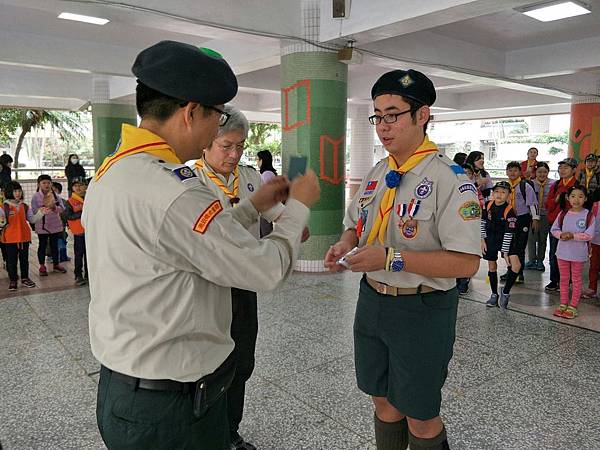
510	280
493	282
391	435
439	442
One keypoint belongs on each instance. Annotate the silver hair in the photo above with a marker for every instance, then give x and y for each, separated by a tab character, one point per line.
237	121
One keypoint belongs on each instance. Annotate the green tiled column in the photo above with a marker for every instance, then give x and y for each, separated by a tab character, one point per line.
107	119
314	94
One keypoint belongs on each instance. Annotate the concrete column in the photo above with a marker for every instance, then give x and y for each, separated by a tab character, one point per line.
362	150
584	134
107	118
313	110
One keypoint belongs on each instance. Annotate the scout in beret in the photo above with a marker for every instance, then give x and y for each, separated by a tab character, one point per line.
415	223
164	254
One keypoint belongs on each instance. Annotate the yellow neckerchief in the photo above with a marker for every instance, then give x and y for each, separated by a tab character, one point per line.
233	195
541	193
588	177
76	197
566	182
513	192
137	140
387	201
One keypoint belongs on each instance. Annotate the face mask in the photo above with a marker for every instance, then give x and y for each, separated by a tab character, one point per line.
74	160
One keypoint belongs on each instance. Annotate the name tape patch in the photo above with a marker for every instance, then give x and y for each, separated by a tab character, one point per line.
466	187
207	216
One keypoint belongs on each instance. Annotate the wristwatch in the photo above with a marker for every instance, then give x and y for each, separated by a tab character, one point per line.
397	262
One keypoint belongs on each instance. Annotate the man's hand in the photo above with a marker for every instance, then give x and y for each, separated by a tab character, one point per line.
535	225
305	235
368	259
335	252
269	194
483	246
305	189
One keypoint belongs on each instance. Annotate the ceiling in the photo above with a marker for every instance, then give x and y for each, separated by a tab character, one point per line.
485	58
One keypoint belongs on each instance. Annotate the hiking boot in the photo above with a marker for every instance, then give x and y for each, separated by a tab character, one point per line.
43	271
12	286
28	283
504	299
493	301
59	268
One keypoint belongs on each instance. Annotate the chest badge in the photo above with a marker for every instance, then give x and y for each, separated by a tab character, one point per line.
581	224
410	229
250	187
424	189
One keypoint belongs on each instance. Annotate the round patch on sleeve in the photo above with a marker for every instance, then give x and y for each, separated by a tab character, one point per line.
470	210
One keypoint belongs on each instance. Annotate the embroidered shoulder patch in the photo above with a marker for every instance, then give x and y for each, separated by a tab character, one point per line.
184	173
207	216
470	210
466	187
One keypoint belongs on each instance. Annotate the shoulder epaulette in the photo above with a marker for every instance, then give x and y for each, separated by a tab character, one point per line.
455	168
181	171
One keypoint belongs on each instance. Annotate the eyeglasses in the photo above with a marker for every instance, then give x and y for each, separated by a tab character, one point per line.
229	147
224	116
387	118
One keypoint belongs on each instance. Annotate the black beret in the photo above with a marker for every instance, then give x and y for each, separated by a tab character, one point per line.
186	72
407	83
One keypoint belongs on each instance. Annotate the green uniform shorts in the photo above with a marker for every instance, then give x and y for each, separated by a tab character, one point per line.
402	347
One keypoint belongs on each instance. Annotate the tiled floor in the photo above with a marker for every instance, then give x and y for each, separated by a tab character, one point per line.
516	381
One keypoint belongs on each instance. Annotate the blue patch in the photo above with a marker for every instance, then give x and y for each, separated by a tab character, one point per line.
466	187
457	169
184	173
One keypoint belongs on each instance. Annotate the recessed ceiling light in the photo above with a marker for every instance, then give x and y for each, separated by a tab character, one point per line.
547	12
86	19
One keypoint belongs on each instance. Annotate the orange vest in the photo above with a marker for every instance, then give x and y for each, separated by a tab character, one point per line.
17	229
75	225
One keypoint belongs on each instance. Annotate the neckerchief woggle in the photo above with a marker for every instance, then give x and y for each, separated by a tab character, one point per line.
392	180
233	195
136	140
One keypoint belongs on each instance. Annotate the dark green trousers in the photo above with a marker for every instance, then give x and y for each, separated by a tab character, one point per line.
244	329
130	418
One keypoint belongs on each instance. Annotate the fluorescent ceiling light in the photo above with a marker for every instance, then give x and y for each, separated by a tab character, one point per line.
86	19
548	12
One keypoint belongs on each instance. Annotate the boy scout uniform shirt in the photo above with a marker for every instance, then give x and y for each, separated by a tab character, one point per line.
148	265
249	182
448	218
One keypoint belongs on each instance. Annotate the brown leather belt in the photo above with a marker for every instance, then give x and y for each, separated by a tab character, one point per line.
386	289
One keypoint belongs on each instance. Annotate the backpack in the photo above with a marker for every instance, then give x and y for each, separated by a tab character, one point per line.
523	188
506	210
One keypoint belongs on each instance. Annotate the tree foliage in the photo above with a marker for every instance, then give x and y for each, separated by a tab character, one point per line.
264	136
19	122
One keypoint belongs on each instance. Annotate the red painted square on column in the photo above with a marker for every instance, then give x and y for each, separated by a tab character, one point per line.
286	93
334	177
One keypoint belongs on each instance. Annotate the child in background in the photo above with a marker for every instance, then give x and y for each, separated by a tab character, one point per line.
498	227
73	214
62	241
16	234
536	244
574	229
50	228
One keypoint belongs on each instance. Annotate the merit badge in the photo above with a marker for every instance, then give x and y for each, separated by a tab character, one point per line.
467	187
410	229
401	211
424	189
250	187
470	210
184	173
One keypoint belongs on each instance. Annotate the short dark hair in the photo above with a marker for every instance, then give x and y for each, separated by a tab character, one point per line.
543	164
57	186
514	164
460	158
467	166
5	159
151	103
10	188
414	107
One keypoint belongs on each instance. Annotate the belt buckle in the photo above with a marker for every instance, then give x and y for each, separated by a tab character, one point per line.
382	288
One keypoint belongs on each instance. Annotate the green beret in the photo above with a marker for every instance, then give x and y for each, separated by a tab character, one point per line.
406	83
186	72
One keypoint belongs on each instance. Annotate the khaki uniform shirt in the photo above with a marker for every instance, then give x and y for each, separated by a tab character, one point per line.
160	291
249	182
448	217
